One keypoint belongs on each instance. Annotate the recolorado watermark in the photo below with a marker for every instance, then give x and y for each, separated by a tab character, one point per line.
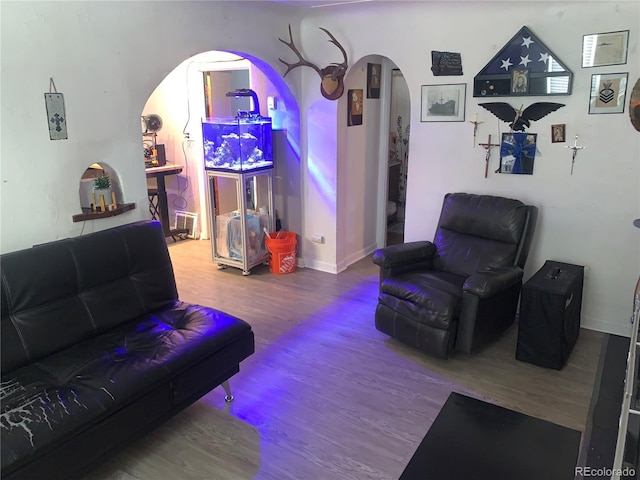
626	472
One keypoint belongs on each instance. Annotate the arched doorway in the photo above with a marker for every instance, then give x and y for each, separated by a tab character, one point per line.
196	89
371	168
399	129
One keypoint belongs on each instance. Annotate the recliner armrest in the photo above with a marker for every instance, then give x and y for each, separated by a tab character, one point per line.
489	282
405	257
404	254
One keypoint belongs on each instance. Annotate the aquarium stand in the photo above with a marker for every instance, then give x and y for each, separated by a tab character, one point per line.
240	209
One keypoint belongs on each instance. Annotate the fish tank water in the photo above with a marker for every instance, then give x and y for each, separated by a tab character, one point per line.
237	144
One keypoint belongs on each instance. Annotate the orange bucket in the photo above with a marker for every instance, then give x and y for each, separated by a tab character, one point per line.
282	251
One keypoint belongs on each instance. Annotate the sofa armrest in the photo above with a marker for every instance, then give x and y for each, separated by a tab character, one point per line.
404	257
489	282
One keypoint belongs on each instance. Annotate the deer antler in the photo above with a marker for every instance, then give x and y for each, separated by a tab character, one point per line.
332	83
302	62
340	67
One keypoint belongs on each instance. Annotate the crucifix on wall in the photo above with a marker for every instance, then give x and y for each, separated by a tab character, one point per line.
487	147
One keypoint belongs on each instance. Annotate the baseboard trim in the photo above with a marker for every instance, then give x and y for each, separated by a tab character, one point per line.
622	328
354	257
321	266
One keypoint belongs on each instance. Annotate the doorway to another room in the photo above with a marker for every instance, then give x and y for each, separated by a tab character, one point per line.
399	126
194	90
197	91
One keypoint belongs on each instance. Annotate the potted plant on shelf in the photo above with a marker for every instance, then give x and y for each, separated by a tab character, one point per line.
103	197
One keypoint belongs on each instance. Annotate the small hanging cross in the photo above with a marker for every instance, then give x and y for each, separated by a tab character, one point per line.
57	119
487	146
475	128
575	149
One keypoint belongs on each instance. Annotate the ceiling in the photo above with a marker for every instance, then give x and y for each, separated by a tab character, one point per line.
318	3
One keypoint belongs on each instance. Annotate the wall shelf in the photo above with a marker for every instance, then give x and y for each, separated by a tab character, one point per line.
88	214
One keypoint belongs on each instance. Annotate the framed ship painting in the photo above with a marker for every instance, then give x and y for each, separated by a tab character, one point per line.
443	103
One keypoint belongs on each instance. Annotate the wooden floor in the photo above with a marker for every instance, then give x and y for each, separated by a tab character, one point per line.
327	396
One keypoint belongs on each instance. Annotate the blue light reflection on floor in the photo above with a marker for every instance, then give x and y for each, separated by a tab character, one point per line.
281	396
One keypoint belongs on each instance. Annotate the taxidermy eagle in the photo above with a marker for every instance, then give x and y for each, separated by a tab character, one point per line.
518	119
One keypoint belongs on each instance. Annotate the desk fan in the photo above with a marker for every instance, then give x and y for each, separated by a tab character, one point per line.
152	124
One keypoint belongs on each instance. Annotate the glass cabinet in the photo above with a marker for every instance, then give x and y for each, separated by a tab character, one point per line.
240	207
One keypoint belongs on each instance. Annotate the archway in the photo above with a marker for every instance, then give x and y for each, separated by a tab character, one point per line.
195	89
369	155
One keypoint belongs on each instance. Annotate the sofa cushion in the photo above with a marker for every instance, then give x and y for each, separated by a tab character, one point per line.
57	294
75	388
431	297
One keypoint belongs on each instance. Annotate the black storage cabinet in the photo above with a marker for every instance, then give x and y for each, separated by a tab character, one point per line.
550	307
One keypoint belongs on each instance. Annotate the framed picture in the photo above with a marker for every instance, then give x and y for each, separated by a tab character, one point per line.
355	107
608	91
558	133
520	81
373	80
517	152
443	103
605	49
446	63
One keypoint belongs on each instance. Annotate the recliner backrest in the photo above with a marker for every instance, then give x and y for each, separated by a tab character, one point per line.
479	232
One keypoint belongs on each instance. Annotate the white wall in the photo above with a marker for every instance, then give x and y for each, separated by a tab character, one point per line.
106	58
585	218
106	64
358	160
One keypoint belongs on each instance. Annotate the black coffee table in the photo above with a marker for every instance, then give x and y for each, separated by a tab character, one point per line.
475	440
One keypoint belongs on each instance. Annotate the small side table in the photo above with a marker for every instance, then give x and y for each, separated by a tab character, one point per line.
550	308
162	206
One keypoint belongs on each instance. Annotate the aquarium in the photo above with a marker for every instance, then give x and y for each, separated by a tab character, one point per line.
237	144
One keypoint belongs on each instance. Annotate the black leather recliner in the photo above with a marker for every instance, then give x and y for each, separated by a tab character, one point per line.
463	287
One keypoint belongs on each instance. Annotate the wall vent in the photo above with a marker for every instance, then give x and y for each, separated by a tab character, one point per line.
188	220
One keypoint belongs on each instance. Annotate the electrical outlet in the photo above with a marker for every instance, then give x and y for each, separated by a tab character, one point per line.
317	238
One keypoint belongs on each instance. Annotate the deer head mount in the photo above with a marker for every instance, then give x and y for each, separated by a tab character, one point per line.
332	83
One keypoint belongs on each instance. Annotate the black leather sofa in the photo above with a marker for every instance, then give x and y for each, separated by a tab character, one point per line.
462	289
97	349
